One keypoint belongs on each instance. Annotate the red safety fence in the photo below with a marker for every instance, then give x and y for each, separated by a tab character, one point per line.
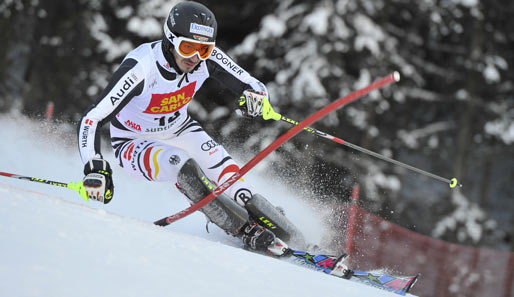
446	269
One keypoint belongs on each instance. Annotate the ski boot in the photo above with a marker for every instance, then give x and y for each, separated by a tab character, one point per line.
267	215
258	223
258	238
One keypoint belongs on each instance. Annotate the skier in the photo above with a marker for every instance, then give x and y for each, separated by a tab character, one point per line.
154	138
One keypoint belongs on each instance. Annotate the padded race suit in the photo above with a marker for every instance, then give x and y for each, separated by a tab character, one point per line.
152	134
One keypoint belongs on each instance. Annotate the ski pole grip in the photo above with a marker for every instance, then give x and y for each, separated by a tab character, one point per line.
268	113
79	188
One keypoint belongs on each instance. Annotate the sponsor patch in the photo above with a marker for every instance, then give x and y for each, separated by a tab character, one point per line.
171	102
243	195
201	29
174	160
220	56
172	19
201	38
127	85
133	125
85	134
207	146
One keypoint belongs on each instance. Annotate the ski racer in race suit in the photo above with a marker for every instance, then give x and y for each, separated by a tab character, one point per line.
146	103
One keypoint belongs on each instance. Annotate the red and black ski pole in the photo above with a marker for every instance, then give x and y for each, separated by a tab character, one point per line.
451	182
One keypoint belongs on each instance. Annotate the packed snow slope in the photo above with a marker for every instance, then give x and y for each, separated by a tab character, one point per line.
54	244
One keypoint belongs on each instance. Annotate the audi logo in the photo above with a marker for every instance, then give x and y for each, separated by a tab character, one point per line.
207	146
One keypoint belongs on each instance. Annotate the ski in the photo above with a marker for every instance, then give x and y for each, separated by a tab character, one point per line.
396	284
332	265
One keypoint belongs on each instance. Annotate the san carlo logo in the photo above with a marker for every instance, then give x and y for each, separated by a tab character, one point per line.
171	102
207	146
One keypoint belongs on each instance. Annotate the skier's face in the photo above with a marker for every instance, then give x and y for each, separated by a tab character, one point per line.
186	65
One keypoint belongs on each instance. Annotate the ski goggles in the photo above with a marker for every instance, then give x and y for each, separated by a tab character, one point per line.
187	47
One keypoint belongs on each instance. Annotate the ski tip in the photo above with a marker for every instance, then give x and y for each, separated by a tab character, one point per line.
412	282
396	76
162	222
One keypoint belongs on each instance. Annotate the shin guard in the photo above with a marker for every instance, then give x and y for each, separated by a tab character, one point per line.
222	211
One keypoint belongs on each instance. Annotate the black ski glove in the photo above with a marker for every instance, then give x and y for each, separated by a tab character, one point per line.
98	180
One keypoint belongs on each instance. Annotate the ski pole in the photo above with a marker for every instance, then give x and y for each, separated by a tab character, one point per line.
77	187
278	117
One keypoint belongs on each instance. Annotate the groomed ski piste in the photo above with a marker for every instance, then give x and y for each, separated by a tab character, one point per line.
55	244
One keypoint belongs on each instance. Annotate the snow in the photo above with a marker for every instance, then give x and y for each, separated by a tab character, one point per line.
55	244
317	20
148	24
466	219
113	48
359	118
491	74
467	3
502	128
272	27
369	35
149	27
412	138
340	28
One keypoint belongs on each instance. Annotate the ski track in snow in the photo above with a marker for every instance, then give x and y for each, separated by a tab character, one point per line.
55	244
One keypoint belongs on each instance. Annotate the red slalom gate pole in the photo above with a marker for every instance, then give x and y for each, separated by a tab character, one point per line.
391	78
49	111
351	220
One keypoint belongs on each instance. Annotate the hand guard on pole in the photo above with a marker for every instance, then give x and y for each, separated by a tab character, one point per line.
98	180
253	104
